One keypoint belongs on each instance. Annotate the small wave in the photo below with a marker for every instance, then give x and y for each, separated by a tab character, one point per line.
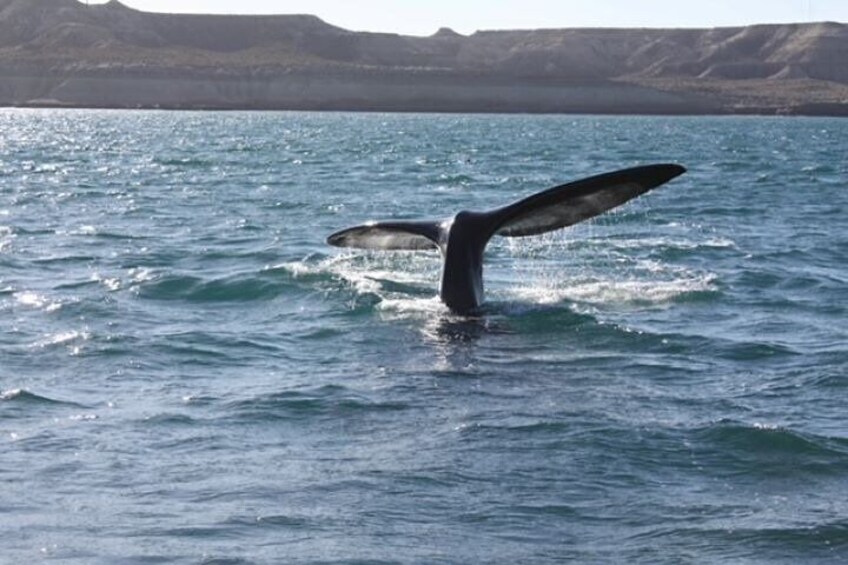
754	351
141	275
112	284
63	338
819	168
82	230
64	259
740	540
390	278
283	521
171	419
187	162
25	397
526	428
240	288
7	236
213	348
37	301
447	181
810	540
118	236
193	400
771	449
828	381
405	307
32	231
526	317
270	521
328	400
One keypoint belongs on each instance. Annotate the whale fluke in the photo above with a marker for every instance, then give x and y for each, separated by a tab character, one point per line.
463	238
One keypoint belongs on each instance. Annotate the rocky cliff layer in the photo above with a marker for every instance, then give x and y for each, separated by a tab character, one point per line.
62	52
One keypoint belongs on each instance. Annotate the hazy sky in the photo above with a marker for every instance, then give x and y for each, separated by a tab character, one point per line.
423	17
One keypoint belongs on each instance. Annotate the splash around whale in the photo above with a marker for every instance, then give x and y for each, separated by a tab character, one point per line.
462	239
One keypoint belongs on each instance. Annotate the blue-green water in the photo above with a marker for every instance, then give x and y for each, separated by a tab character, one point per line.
188	374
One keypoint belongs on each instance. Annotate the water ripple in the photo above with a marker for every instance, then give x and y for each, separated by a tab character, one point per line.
189	374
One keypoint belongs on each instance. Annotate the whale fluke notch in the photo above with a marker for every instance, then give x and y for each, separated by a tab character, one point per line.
463	238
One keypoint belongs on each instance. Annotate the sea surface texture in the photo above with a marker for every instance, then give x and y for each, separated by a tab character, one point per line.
188	374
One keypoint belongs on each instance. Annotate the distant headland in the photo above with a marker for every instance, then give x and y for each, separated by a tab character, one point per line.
63	53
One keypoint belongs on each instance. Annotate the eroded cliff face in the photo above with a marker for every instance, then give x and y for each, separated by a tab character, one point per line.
62	52
344	93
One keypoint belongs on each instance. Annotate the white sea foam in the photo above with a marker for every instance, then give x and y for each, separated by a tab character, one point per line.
412	306
85	230
11	394
621	281
610	292
371	273
112	284
37	301
141	274
71	339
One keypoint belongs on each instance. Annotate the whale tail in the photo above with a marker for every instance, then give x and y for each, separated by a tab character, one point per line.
463	238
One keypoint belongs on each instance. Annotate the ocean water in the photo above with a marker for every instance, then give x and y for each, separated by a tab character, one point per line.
188	374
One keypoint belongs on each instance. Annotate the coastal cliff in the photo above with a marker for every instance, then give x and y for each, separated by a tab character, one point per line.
65	53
